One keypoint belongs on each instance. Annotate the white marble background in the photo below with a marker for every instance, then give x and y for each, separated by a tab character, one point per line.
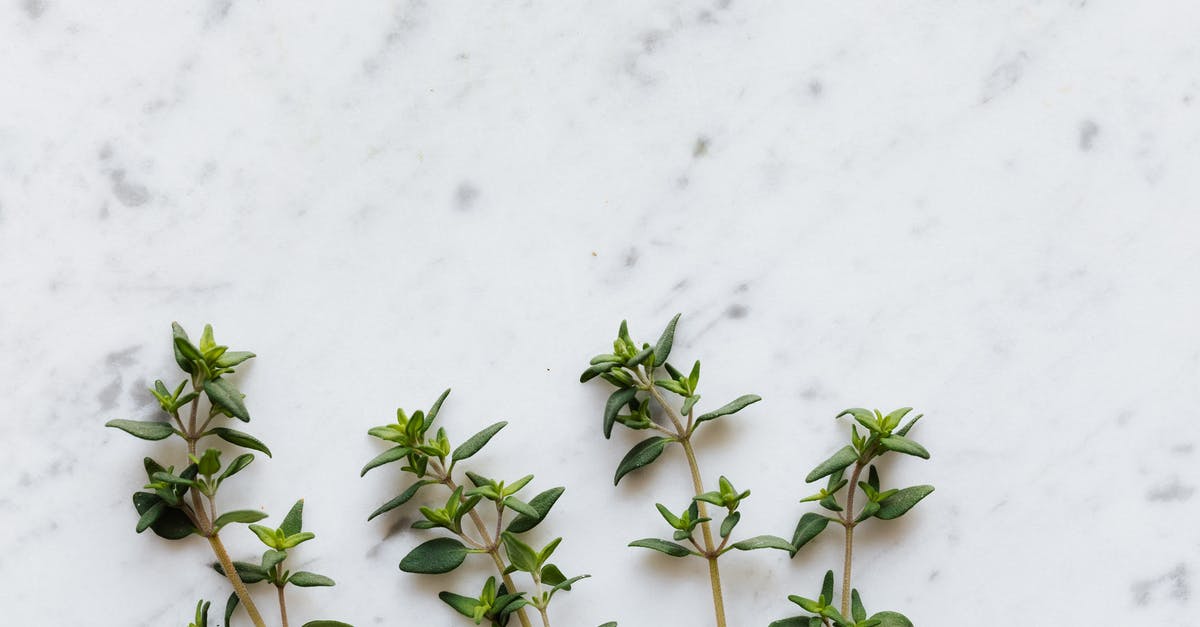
987	211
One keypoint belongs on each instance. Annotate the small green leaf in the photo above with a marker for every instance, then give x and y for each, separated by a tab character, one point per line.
897	504
441	555
891	619
294	521
296	538
249	573
901	444
662	546
461	604
615	404
541	504
143	429
272	558
239	516
326	623
236	466
838	461
810	526
386	457
266	536
180	341
520	507
662	350
642	454
305	579
404	497
229	359
171	524
857	611
688	404
223	395
597	369
476	442
730	522
230	606
437	406
763	542
639	358
904	430
795	621
732	407
209	463
244	440
827	587
151	516
864	417
520	555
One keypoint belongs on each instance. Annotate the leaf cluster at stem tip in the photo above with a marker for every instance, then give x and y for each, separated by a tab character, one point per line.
429	458
176	504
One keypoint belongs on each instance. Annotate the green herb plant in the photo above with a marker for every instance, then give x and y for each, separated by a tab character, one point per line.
178	504
644	378
431	460
883	434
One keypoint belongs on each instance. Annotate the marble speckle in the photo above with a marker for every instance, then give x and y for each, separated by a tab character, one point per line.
1005	76
34	8
1088	131
1169	491
1173	586
129	193
465	196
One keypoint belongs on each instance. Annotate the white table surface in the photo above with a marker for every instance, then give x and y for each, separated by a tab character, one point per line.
983	210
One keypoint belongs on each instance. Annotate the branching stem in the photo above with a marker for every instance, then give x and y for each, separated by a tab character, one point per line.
490	544
282	605
849	524
683	434
204	524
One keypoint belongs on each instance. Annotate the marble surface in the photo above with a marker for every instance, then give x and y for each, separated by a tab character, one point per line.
987	211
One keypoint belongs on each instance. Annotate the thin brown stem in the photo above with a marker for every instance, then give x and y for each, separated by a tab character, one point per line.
282	607
849	524
239	588
684	436
714	571
491	544
204	524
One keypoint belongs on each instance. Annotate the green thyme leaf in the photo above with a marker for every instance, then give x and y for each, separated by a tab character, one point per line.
293	522
305	579
244	440
839	460
810	526
662	546
386	457
615	404
222	394
403	498
662	350
239	516
763	542
899	503
441	555
542	503
642	454
891	619
143	429
476	442
901	444
732	407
